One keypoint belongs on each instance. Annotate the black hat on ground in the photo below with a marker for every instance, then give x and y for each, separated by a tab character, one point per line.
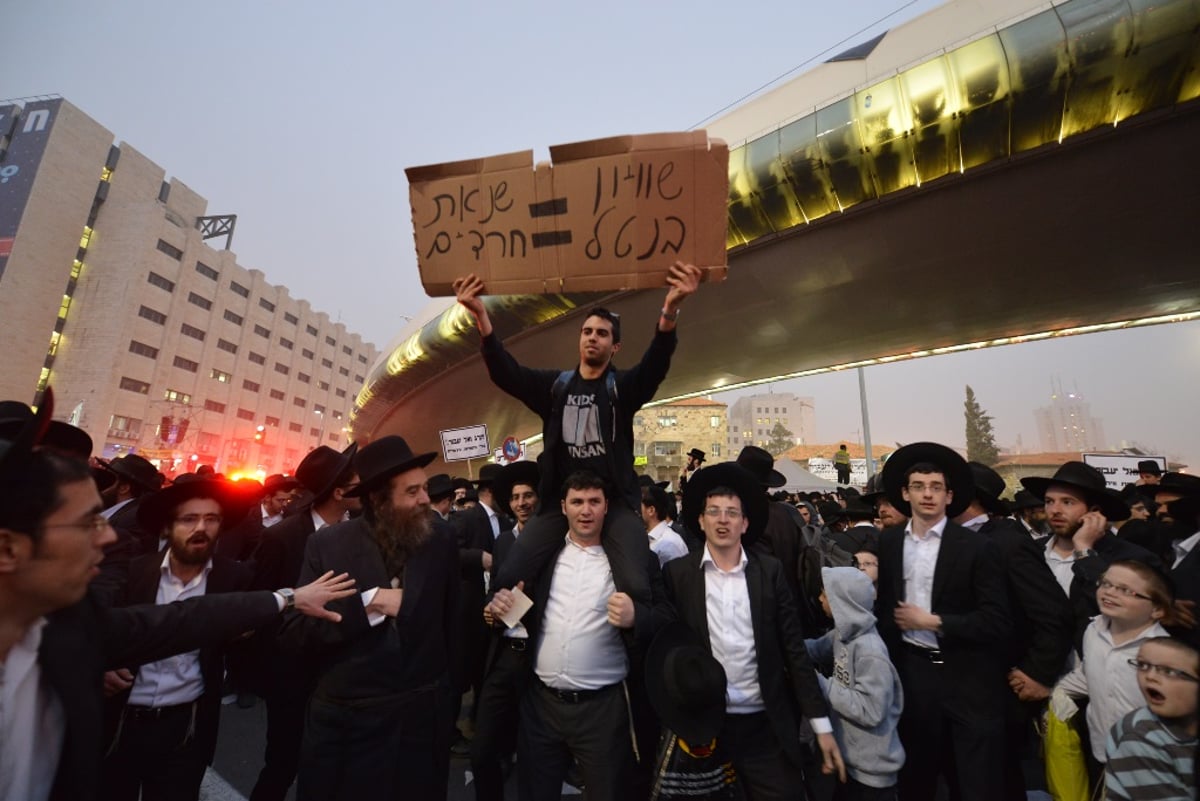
320	469
1149	466
155	511
989	486
743	483
136	470
382	459
1024	499
761	465
509	476
685	684
61	436
953	467
697	454
439	487
1087	480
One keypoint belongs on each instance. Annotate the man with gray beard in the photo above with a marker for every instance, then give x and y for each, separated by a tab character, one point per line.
377	721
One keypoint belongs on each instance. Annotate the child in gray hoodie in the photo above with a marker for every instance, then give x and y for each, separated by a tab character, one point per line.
864	689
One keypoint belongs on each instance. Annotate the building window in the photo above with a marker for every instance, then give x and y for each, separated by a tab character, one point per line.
358	378
199	300
333	437
362	359
301	402
266	304
337	415
295	428
236	319
172	251
344	371
191	331
126	424
311	329
253	386
175	396
287	343
277	394
265	333
304	378
667	448
318	408
245	414
214	406
715	449
639	449
273	422
341	393
714	421
282	368
331	341
152	315
308	354
324	385
227	346
290	318
239	289
206	271
223	377
142	349
186	364
160	282
257	358
208	443
346	349
314	432
133	385
327	363
667	421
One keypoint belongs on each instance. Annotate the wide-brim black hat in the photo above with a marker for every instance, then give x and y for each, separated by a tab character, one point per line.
953	467
648	481
523	472
685	684
989	486
737	478
1149	466
697	454
1087	480
761	465
16	451
278	481
156	509
857	509
1183	484
319	471
1024	499
440	486
382	459
136	470
14	416
487	474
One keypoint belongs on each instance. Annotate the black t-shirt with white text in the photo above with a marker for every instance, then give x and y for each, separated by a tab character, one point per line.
583	445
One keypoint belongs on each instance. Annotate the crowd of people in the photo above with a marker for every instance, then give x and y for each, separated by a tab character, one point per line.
720	638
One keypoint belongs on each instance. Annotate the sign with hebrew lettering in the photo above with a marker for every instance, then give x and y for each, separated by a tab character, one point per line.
460	444
604	215
1119	469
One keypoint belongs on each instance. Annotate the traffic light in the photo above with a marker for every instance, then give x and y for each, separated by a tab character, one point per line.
260	435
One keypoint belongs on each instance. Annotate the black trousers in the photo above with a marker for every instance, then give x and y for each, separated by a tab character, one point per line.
1019	747
285	734
158	755
944	734
763	768
497	712
624	540
386	748
843	473
854	791
594	731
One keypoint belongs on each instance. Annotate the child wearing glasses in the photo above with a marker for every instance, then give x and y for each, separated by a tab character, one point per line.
1135	603
1152	750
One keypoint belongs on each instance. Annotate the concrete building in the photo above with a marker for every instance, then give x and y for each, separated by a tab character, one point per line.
1067	423
751	419
663	435
154	341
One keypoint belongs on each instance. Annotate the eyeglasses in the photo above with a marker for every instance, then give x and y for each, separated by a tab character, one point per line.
920	486
1162	670
192	520
717	513
96	524
1105	584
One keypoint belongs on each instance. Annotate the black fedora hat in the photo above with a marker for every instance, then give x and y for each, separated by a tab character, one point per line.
320	469
16	453
648	481
523	472
155	511
1086	479
989	486
1024	499
953	467
856	509
761	465
487	474
384	458
60	436
1183	484
440	486
737	478
136	470
697	454
685	684
1149	466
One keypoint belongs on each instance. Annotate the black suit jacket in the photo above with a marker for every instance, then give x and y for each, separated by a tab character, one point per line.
226	576
970	597
424	637
1041	614
1186	578
280	554
132	542
240	541
785	673
84	640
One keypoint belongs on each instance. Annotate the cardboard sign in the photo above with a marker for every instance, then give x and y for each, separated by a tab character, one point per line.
609	214
1118	469
460	444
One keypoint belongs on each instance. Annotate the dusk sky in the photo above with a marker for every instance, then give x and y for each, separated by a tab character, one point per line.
300	118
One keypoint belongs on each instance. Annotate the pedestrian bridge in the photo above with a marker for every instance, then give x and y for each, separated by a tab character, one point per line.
994	171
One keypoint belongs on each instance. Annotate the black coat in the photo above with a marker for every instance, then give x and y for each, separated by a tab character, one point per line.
132	541
240	541
473	535
785	673
84	640
280	554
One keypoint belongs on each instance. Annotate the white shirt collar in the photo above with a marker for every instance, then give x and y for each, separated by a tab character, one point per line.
660	528
165	568
116	507
707	559
1184	547
935	530
976	523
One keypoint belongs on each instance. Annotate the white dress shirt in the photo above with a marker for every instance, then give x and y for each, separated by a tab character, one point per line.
176	679
269	520
1063	567
492	518
32	722
731	633
1184	547
920	562
579	648
666	543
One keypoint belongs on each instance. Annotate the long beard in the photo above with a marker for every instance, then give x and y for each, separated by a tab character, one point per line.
399	533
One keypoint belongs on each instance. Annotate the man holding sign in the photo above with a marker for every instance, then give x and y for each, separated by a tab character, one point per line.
587	424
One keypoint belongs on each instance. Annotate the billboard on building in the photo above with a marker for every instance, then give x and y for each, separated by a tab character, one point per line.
28	130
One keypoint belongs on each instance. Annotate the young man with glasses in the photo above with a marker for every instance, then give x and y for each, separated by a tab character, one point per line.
943	611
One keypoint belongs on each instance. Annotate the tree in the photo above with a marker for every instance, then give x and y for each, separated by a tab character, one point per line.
981	439
781	439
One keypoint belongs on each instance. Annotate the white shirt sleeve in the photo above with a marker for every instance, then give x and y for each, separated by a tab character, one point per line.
374	618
